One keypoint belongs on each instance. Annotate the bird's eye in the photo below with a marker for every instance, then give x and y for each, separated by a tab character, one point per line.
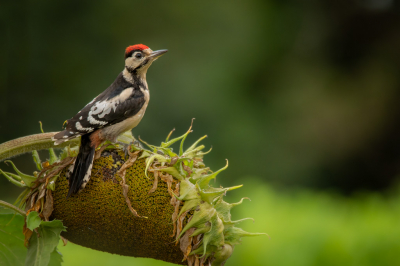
139	55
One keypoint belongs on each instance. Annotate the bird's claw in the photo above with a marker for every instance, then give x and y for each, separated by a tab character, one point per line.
125	148
137	144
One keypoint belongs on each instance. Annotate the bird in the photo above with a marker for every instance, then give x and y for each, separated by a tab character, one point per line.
114	111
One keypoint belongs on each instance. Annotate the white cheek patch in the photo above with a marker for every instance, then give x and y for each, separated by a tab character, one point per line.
132	63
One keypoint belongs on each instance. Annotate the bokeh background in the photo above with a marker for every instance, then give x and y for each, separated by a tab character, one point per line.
302	97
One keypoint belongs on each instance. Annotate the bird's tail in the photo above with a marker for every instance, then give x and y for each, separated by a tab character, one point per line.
83	166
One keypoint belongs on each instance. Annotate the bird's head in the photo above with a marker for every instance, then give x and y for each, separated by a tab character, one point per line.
139	57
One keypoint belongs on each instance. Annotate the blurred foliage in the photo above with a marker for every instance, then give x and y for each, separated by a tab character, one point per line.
306	89
12	250
306	228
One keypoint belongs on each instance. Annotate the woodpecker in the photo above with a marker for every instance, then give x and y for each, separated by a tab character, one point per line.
116	110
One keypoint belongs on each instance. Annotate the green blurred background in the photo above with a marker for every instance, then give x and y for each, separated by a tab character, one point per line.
300	96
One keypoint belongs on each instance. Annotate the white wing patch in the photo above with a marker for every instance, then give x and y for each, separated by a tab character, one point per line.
81	128
103	108
93	121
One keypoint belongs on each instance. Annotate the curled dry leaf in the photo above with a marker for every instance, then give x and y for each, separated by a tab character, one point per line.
42	191
167	178
186	243
48	205
125	187
180	224
174	160
97	154
64	240
27	233
57	167
155	173
187	169
32	201
176	203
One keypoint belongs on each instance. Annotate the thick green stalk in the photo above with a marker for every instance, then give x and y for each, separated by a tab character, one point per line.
30	143
12	207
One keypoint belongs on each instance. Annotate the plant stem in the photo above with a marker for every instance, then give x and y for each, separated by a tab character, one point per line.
12	207
30	143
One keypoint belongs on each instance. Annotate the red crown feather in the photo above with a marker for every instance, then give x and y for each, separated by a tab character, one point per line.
140	47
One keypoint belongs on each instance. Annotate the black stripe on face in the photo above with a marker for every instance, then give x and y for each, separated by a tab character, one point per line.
144	63
134	70
131	53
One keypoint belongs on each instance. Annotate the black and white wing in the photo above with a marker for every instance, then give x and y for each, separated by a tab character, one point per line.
112	106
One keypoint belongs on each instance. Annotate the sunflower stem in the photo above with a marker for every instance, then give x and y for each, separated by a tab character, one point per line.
30	143
12	207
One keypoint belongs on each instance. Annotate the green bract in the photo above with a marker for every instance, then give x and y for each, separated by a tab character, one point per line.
211	218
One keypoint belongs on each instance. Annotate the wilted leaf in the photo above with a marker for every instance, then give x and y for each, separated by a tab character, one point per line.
48	205
12	250
155	174
27	233
37	160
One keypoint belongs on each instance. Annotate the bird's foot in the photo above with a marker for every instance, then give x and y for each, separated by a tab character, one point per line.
137	144
131	147
126	148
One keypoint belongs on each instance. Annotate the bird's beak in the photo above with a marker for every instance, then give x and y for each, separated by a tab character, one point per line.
156	54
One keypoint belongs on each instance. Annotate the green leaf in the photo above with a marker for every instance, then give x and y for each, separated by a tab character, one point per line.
191	148
37	160
55	258
41	249
151	159
126	138
53	157
172	141
33	220
172	171
28	179
12	249
10	178
205	180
